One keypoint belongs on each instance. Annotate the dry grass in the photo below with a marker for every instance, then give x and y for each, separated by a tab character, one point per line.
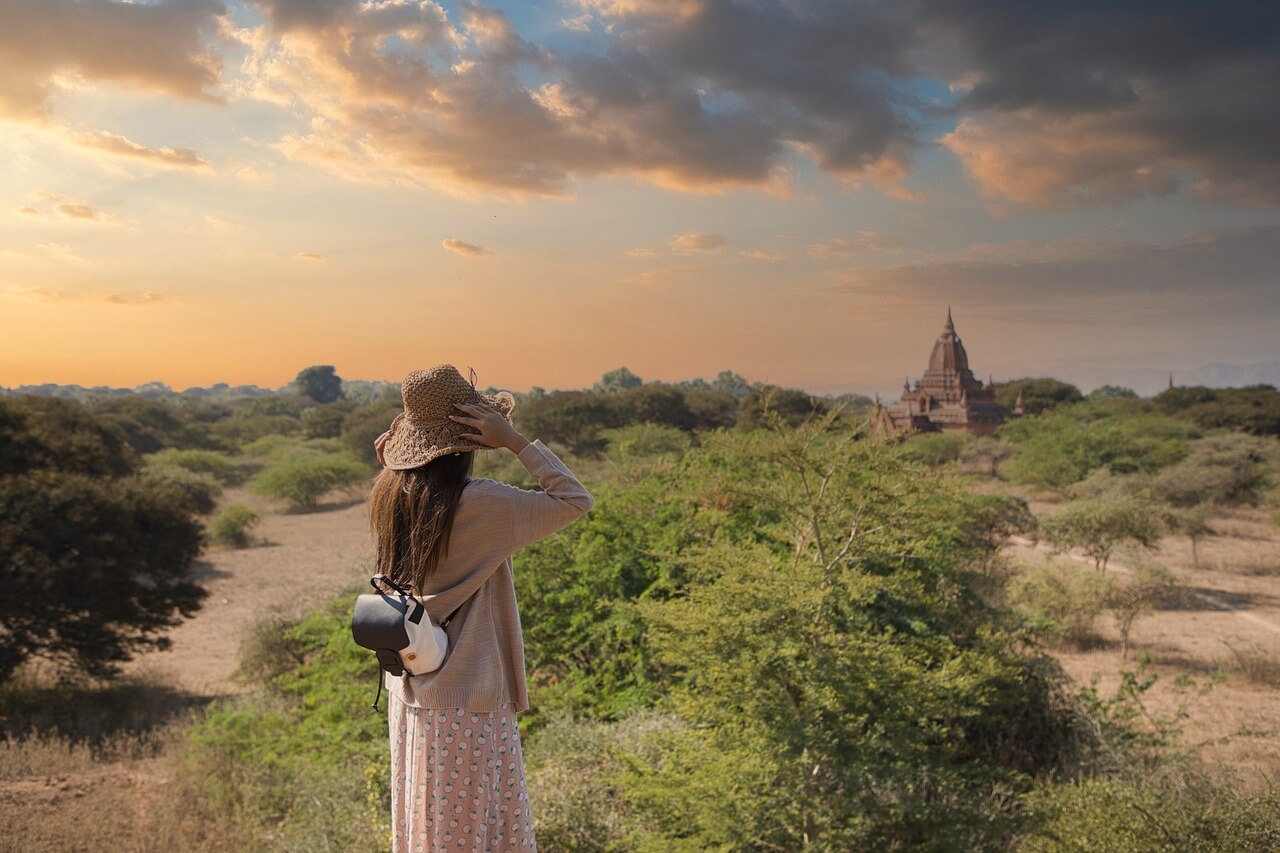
90	767
1254	664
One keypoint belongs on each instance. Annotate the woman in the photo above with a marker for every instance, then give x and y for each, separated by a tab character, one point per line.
456	764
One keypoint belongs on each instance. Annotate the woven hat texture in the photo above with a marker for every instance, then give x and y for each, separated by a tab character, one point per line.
423	431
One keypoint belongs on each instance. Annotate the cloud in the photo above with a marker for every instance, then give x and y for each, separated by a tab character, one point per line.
659	274
845	247
314	257
28	210
219	224
640	252
160	47
52	294
1071	279
709	101
76	210
469	250
769	257
178	158
689	243
1067	103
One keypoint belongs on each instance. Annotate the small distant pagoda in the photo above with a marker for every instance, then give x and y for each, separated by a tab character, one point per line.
948	398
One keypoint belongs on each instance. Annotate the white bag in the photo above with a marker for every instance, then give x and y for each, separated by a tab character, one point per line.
397	628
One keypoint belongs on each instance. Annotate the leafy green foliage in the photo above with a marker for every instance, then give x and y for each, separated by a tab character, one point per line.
232	526
306	478
1065	600
1098	526
218	466
1038	395
1254	409
645	442
299	760
320	382
197	493
619	379
1065	445
94	562
785	650
934	448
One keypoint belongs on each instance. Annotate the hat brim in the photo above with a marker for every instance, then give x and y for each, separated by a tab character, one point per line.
411	445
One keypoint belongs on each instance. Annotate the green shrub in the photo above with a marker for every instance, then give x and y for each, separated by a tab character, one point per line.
1172	809
231	526
299	760
934	448
210	462
199	493
305	479
1067	600
647	441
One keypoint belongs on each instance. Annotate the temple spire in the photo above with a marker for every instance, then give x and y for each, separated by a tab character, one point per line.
950	327
1170	381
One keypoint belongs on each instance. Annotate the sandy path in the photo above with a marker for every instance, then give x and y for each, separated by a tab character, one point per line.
309	558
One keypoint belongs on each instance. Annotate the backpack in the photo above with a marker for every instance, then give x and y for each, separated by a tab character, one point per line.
395	626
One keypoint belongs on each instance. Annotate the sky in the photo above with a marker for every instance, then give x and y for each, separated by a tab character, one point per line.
201	191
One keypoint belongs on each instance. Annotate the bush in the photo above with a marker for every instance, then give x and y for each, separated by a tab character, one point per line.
641	442
231	526
1150	586
199	493
935	448
1067	600
210	462
1169	810
1255	664
305	479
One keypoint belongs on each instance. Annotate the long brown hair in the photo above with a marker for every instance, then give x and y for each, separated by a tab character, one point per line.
411	514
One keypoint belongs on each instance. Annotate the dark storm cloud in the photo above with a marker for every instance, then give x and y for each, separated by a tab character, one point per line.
1056	103
1093	100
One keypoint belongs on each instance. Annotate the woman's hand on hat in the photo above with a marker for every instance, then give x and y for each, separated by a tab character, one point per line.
377	446
489	427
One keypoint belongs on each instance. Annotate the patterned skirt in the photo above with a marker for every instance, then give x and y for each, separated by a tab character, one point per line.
457	780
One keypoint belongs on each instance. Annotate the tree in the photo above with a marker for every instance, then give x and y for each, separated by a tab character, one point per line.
1150	586
1099	525
793	404
94	562
319	382
1113	392
1193	523
618	379
1038	395
787	652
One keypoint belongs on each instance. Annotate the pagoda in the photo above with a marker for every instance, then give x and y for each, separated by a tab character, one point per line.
948	398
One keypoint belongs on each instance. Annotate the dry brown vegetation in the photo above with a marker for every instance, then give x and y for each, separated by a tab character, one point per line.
1227	627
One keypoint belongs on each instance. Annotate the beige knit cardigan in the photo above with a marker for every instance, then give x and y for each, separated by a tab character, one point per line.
484	667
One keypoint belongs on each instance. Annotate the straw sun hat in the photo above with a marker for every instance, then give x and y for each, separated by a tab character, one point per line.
423	431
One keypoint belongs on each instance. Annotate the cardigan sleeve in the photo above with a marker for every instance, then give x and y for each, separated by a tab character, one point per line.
535	514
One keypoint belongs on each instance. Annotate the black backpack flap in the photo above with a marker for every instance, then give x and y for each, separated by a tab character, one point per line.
378	622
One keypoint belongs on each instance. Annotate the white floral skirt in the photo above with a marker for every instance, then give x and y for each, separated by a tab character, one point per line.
457	780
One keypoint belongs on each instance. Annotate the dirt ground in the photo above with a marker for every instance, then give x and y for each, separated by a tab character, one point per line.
1235	603
305	558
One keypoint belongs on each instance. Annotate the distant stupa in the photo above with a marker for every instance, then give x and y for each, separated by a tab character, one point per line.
949	398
